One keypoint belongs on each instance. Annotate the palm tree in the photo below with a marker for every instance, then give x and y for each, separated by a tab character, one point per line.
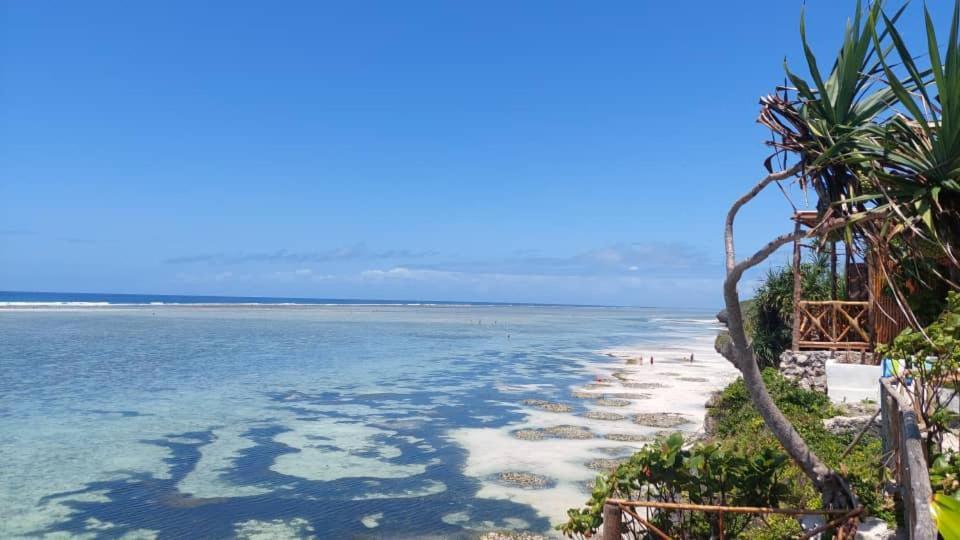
888	175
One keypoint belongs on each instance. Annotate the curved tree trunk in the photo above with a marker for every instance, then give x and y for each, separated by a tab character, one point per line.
833	488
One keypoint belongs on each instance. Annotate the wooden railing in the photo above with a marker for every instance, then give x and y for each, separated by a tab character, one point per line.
622	518
903	444
832	324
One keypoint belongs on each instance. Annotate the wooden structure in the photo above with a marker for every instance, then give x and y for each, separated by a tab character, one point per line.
867	316
901	431
621	518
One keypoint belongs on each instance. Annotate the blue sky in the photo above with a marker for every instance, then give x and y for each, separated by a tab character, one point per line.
538	151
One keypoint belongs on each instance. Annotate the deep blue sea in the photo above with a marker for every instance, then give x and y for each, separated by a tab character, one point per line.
325	419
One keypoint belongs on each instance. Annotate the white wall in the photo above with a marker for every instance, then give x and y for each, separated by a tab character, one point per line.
852	383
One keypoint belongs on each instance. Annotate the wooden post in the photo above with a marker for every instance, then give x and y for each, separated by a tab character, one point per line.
612	516
797	286
833	271
902	436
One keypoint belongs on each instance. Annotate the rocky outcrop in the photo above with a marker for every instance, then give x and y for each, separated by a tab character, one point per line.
661	420
511	535
806	368
710	415
723	345
850	425
526	480
554	432
548	406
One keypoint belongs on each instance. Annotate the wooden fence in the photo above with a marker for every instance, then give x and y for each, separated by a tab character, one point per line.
832	324
620	516
903	444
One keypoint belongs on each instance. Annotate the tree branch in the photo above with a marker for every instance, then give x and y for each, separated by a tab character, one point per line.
747	197
761	255
826	481
775	420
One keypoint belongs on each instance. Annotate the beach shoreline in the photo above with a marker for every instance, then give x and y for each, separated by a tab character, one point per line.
629	402
469	420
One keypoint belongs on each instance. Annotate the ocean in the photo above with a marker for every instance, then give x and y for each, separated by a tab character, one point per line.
245	418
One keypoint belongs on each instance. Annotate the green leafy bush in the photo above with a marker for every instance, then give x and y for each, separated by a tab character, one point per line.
945	474
743	465
709	473
771	319
738	422
933	358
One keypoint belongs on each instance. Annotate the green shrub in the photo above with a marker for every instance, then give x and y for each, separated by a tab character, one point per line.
771	318
934	359
738	422
710	473
743	465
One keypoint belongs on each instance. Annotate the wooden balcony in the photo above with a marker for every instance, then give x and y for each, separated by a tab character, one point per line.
833	325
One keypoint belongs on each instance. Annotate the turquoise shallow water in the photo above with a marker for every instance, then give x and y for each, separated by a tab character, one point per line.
219	422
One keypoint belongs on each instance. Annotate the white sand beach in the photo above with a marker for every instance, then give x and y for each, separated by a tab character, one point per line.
669	395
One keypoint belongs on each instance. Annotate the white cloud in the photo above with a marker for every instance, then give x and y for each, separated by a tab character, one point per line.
301	274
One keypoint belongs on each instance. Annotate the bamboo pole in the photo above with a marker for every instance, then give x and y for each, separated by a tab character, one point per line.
797	286
649	526
612	517
833	271
731	509
835	303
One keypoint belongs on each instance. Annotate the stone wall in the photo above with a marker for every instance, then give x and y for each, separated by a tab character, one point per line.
807	368
856	357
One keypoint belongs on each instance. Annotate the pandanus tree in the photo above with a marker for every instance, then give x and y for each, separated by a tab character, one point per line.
882	155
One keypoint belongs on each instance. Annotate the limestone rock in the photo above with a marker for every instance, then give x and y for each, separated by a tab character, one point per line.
628	437
548	406
605	464
841	425
606	402
511	535
661	420
554	432
876	529
603	415
709	417
806	368
524	479
723	345
627	395
643	385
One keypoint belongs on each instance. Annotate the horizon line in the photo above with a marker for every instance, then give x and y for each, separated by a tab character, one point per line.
308	299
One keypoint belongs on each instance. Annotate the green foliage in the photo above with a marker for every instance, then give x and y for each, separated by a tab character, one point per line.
772	313
734	413
942	341
945	481
879	139
710	473
933	359
946	515
776	527
822	126
918	150
736	419
742	465
945	474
